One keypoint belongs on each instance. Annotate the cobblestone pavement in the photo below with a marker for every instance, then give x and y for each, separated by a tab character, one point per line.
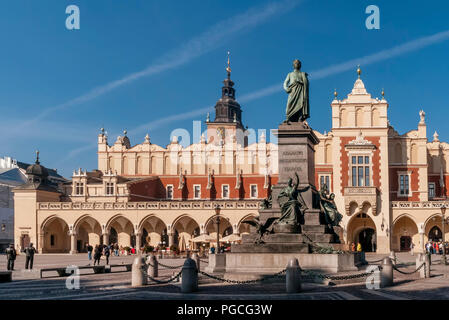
117	285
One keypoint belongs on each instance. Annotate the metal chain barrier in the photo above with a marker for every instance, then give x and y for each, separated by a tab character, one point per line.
279	274
166	281
403	272
329	277
205	261
375	261
167	266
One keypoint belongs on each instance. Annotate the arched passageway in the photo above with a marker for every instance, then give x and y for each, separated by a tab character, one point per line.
88	231
124	231
361	229
153	231
405	232
56	238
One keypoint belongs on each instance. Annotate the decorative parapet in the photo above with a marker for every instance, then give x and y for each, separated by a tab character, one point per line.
157	205
360	196
418	204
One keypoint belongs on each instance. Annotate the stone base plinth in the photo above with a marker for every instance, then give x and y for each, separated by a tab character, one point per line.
217	263
270	247
252	265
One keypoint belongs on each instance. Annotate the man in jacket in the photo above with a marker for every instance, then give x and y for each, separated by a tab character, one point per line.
29	253
11	256
107	253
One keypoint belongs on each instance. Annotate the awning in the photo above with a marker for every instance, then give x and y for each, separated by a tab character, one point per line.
203	238
231	238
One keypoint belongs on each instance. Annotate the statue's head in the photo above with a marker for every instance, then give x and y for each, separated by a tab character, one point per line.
290	182
296	64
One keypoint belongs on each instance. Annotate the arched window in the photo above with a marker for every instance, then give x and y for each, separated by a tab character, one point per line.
328	154
414	154
344	117
375	117
139	169
125	169
359	117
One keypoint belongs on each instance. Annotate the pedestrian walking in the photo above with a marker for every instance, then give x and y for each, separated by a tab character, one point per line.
11	257
29	256
116	249
412	245
359	247
97	254
89	252
107	253
353	247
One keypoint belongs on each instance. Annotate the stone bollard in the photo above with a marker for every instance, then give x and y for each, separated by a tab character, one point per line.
293	276
153	266
196	258
427	266
138	272
420	258
189	281
393	257
386	274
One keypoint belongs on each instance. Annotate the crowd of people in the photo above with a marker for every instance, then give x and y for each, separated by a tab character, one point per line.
356	247
106	251
437	247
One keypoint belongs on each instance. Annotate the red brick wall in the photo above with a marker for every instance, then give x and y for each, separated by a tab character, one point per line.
394	184
436	179
156	188
344	161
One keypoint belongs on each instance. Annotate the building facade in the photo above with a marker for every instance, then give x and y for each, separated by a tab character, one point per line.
12	175
389	187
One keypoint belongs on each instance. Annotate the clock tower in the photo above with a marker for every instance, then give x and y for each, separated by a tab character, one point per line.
227	125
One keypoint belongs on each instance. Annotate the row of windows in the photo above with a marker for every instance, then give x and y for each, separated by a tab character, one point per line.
224	191
79	188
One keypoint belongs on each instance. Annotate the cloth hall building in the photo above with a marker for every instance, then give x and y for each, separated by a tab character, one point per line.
388	186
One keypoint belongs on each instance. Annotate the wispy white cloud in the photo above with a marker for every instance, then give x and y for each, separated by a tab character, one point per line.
315	75
195	47
350	64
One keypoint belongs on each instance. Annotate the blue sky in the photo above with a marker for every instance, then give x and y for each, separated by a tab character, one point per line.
57	86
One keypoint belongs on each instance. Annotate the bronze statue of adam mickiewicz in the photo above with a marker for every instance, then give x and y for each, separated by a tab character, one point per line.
297	86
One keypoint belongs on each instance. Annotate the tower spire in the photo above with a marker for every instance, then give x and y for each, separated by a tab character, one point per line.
37	157
359	71
228	68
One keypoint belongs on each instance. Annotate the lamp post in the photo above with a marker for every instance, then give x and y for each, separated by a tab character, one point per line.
443	221
217	221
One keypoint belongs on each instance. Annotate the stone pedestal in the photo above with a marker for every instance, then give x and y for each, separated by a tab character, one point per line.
217	263
249	259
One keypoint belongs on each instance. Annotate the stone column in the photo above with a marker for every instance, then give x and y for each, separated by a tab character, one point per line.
423	245
138	244
106	238
41	239
73	243
171	239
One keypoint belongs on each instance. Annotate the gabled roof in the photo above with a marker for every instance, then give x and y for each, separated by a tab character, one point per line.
12	177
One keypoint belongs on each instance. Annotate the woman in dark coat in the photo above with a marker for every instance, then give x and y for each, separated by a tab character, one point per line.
97	254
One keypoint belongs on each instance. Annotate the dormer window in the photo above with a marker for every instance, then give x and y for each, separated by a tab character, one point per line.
79	188
169	191
109	188
225	191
